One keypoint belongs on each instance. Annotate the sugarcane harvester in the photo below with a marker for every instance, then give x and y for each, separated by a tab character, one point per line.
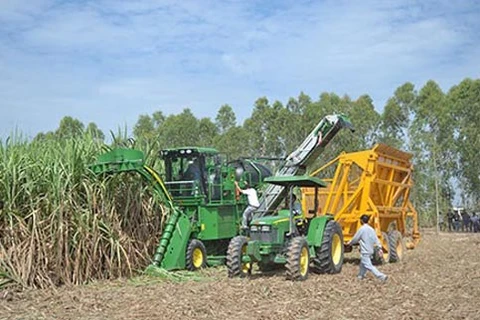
198	189
280	237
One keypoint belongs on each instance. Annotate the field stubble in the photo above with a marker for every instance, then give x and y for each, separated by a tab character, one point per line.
440	279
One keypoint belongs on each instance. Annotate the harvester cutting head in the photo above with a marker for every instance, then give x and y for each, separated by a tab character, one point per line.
119	160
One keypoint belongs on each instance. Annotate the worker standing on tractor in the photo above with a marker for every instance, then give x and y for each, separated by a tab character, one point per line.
253	203
368	240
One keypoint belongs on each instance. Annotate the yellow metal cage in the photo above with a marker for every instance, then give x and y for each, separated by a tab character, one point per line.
376	182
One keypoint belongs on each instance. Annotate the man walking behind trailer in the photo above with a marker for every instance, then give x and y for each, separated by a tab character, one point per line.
368	240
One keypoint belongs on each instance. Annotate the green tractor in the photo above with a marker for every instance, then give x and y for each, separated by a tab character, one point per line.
288	239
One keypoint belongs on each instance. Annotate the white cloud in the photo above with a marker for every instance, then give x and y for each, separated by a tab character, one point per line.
109	61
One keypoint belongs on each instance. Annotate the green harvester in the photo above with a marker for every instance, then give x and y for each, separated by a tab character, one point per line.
198	190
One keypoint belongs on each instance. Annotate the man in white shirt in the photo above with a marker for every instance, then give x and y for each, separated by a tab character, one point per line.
253	203
367	237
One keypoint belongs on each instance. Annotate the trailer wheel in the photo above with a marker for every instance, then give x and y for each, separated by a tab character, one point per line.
196	257
330	253
396	246
236	249
385	258
298	259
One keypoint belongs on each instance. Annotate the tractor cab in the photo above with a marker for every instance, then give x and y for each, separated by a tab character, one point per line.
190	170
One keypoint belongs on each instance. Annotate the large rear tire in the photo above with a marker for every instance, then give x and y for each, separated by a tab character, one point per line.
236	249
196	257
396	246
330	253
298	259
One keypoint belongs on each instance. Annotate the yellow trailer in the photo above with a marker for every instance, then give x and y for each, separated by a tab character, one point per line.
376	182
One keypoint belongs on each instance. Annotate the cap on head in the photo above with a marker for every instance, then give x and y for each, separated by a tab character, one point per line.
364	218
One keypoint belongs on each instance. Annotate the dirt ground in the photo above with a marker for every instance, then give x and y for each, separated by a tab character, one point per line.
440	279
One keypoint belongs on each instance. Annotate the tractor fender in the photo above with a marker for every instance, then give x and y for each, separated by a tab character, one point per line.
316	229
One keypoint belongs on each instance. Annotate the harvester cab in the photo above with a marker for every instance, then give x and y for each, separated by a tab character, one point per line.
288	239
196	175
187	171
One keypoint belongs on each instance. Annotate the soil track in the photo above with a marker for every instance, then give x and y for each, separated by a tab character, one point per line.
440	279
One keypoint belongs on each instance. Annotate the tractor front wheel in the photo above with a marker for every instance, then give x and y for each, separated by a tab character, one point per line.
236	249
330	253
196	257
298	259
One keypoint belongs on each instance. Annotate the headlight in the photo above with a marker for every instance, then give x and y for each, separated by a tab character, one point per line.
254	228
265	228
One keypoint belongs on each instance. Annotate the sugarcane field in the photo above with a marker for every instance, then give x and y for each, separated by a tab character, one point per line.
239	160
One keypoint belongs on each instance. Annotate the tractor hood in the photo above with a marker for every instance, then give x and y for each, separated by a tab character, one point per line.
282	217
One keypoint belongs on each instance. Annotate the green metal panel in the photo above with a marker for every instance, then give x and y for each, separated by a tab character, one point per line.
174	257
218	222
119	160
316	229
280	259
253	250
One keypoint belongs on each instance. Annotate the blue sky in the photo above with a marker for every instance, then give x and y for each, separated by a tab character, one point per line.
108	61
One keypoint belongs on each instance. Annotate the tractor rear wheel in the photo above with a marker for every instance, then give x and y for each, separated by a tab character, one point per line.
396	246
298	259
330	253
236	249
196	257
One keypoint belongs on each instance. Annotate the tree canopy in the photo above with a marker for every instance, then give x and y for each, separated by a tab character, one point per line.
439	128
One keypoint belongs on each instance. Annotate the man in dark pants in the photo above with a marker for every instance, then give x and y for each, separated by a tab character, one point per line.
253	203
466	221
475	223
450	221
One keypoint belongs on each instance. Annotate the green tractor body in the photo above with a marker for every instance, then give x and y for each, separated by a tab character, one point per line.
288	239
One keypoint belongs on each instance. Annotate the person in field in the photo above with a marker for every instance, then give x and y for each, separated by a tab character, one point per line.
368	240
253	203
